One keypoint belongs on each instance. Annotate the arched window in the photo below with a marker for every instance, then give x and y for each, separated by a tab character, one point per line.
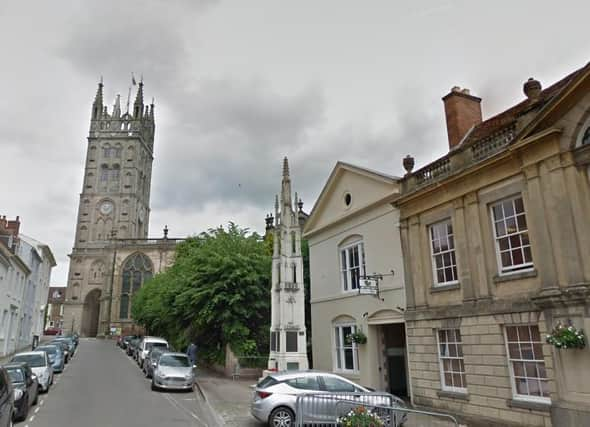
136	271
352	263
104	173
293	243
115	172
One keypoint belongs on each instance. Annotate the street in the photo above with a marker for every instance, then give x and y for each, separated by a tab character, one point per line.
103	387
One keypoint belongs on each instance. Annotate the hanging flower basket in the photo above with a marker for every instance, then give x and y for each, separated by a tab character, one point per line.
566	336
360	417
357	337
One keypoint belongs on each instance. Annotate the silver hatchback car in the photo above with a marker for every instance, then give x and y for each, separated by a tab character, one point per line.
173	371
275	397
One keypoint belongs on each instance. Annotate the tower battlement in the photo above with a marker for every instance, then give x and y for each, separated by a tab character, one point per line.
137	121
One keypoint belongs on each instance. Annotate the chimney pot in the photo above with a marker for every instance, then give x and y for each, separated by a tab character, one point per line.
462	112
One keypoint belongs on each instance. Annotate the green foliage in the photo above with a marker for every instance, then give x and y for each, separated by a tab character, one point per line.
217	292
360	417
563	336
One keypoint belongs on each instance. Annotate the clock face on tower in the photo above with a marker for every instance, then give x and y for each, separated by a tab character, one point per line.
106	207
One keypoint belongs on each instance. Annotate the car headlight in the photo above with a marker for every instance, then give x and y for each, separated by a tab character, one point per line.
18	393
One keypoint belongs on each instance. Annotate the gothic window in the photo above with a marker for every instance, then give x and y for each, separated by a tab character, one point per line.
106	151
586	137
104	173
293	243
115	172
136	271
118	151
294	269
92	154
130	153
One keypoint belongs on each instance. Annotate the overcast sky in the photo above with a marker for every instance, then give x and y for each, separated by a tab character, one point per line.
241	84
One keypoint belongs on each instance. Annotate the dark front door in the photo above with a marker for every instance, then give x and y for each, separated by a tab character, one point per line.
395	352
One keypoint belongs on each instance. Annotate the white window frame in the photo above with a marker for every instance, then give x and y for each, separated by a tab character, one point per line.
342	346
515	394
345	269
524	267
433	256
441	363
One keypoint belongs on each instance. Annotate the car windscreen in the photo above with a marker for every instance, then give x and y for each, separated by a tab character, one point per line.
16	375
49	349
33	360
155	353
151	345
175	361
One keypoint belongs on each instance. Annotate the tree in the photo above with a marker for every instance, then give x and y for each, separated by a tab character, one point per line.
217	292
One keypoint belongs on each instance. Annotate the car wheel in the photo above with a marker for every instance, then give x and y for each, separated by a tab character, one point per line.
281	417
36	397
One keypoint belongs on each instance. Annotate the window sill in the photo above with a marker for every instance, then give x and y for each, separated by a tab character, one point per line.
443	288
517	275
526	404
453	394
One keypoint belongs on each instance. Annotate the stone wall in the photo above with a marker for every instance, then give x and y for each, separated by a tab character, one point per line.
489	394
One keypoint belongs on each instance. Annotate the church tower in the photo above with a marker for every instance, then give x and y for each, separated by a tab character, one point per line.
288	341
114	203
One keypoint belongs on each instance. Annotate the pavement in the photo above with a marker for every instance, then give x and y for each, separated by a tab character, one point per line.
229	399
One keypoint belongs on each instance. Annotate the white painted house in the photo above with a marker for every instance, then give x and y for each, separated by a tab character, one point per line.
354	240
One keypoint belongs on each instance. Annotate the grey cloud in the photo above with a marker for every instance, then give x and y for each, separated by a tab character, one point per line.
237	130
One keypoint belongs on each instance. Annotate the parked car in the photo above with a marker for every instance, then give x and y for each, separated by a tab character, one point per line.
173	371
6	399
65	348
26	389
39	363
146	344
69	341
125	341
151	360
52	331
275	396
133	343
56	356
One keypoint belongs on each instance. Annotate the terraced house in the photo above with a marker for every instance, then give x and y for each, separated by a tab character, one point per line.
496	244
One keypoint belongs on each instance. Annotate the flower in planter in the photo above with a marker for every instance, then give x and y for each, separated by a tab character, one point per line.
566	336
357	337
360	417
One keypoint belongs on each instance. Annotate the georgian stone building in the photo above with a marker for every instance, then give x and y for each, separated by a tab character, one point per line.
112	255
496	242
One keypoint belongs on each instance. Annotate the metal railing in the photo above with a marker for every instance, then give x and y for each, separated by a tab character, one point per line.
325	409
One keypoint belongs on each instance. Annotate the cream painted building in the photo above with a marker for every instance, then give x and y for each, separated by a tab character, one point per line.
496	240
353	235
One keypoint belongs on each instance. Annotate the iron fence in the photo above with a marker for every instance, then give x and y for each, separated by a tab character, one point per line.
325	409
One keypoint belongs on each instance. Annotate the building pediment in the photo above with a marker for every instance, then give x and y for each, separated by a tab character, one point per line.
349	190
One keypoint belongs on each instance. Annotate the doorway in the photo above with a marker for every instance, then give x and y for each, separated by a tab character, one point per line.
91	313
395	355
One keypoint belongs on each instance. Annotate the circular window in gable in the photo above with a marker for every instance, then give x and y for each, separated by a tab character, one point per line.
347	199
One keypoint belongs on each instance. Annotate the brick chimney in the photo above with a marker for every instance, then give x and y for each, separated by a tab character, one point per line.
462	111
9	227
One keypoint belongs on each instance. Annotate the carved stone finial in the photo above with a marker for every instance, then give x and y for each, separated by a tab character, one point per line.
408	164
